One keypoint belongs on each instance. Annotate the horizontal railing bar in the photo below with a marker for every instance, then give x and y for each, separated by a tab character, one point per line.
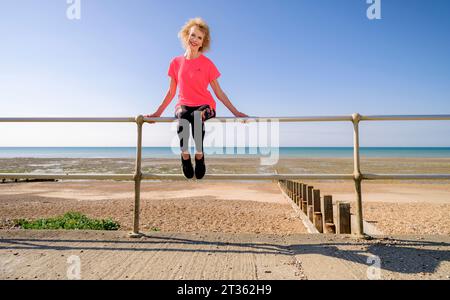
174	176
67	176
406	118
224	176
253	176
405	176
323	118
278	119
87	120
250	119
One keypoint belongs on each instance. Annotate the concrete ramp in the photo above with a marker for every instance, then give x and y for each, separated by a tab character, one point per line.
112	255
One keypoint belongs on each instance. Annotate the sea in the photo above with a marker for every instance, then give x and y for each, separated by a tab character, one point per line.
168	152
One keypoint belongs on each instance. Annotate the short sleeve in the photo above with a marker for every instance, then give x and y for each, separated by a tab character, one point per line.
213	72
172	72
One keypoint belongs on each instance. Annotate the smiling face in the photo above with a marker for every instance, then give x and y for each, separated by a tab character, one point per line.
195	39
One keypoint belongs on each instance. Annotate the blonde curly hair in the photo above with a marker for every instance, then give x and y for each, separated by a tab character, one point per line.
183	35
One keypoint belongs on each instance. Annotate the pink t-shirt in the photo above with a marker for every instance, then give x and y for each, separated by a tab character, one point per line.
193	77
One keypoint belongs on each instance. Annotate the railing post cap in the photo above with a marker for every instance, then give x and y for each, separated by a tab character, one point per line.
139	119
137	176
356	117
357	176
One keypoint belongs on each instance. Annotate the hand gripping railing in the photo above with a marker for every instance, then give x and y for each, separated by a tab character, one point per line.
138	176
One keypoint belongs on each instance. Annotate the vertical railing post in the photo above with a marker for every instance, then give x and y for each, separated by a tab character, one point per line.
357	177
137	178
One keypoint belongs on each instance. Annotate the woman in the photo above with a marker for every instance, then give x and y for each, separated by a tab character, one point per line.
192	73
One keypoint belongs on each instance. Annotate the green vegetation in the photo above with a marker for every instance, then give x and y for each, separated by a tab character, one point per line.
70	220
155	229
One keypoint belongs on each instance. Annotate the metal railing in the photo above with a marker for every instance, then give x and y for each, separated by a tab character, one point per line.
138	176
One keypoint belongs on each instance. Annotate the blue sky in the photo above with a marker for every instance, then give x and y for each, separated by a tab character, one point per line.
277	58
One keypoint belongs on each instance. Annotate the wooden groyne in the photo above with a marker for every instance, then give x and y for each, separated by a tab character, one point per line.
319	210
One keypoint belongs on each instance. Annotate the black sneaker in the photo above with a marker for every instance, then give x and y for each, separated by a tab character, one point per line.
200	168
188	170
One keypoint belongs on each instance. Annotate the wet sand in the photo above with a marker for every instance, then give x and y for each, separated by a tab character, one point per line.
216	164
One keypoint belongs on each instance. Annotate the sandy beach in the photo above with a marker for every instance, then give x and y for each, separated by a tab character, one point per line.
165	206
394	207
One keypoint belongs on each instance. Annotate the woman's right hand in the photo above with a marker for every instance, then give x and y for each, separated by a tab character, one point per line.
238	114
153	115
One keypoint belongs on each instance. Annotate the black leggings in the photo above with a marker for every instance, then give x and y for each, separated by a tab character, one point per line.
192	115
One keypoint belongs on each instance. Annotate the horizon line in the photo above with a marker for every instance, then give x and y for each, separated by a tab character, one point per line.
361	147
